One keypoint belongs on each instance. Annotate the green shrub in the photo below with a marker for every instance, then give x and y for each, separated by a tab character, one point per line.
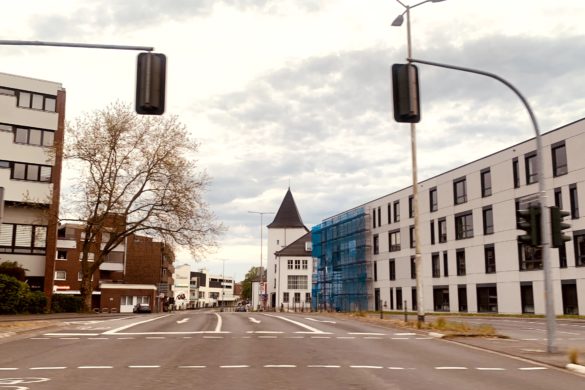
36	302
13	295
65	304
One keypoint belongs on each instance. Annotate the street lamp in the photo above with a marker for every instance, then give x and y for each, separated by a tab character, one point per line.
262	213
418	260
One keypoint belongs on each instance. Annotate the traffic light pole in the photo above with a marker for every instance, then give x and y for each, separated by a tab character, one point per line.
542	197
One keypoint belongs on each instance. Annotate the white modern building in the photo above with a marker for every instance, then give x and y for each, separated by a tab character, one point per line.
181	287
288	286
472	260
32	115
209	290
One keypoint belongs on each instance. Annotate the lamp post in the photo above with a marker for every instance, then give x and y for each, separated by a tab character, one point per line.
418	260
262	213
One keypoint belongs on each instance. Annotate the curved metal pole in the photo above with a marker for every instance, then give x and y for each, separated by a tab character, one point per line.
545	217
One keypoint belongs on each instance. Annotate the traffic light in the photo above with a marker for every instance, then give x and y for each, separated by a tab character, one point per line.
529	221
150	83
406	104
557	226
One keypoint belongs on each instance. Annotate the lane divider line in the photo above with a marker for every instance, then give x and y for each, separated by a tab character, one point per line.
116	330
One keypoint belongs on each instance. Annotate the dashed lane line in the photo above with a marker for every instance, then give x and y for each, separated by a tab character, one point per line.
94	367
323	366
236	366
451	368
280	366
192	366
47	368
373	367
121	328
145	366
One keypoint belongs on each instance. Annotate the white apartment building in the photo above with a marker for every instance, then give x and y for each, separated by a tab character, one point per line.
286	228
472	260
32	114
181	288
208	290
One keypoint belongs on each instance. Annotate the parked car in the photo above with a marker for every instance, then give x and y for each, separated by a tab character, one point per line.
142	308
241	308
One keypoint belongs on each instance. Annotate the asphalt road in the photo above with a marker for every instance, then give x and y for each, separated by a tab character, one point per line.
210	350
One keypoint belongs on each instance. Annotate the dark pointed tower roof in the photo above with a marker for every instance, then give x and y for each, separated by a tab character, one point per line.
288	215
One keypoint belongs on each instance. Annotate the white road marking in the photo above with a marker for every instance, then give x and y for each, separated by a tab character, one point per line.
266	337
183	321
121	328
94	367
490	369
170	333
241	366
366	334
68	338
254	320
346	337
213	337
295	337
400	338
310	328
192	366
320	337
125	338
47	368
404	334
325	321
218	327
98	338
577	334
372	338
424	338
71	334
323	366
450	368
366	367
264	332
40	338
153	366
396	368
531	368
280	366
156	338
8	368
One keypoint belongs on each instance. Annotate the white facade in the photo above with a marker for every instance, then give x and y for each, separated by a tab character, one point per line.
209	290
506	285
28	126
181	288
293	278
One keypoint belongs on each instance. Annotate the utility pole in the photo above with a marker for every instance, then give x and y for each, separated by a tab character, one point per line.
263	289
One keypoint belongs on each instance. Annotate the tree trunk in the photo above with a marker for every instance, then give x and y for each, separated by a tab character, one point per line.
86	293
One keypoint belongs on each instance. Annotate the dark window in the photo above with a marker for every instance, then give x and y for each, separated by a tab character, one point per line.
579	242
563	256
445	264
392	269
16	238
460	259
464	226
459	191
574	198
462	297
488	220
412	267
375	271
559	197
398	298
531	168
391	298
394	241
397	211
433	199
61	255
527	298
432	232
376	244
412	237
374	218
487	299
411	206
436	263
490	259
530	257
413	297
389	207
31	172
443	230
379	216
570	297
516	173
559	159
441	298
486	183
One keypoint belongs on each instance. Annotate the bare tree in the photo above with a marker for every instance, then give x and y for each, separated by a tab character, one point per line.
137	175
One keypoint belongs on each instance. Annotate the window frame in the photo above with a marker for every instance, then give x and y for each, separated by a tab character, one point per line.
562	169
394	236
488	229
460	191
485	189
464	225
531	168
433	200
489	253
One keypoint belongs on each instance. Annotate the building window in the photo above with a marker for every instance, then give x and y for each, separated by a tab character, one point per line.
462	297
297	264
397	211
285	297
394	241
443	230
411	206
516	172
61	255
413	297
90	256
445	264
60	275
80	276
375	271
487	299
527	298
392	269
436	265
488	220
389	207
308	297
379	216
297	297
531	168
274	268
459	191
464	225
441	298
559	159
412	267
460	259
289	264
297	282
433	199
33	100
412	236
562	256
486	183
374	218
38	137
391	298
490	259
579	240
15	238
530	257
376	244
31	172
398	298
574	201
305	264
432	232
559	197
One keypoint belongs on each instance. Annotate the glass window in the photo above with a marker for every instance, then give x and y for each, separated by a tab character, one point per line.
389	207
531	169
289	264
376	244
490	259
34	137
397	211
60	275
464	226
394	241
297	264
411	206
21	135
530	257
24	99
32	173
305	265
37	101
62	254
574	201
442	230
486	183
445	264
487	299
516	172
6	231
6	91
432	232
433	199
23	236
436	263
285	297
579	240
559	197
460	191
460	259
50	104
412	237
48	138
392	269
559	159
412	267
488	221
4	164
45	174
5	127
297	282
40	239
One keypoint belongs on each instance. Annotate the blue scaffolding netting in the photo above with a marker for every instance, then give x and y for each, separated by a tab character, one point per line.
342	276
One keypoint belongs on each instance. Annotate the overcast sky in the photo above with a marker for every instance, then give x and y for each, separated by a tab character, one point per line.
299	91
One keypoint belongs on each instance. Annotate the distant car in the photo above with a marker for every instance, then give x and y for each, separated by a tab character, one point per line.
241	308
142	308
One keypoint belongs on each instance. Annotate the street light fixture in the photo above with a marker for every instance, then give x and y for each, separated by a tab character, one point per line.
262	213
418	260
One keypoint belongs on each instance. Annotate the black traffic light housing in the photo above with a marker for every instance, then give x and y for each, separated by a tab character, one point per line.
406	105
557	226
151	83
529	221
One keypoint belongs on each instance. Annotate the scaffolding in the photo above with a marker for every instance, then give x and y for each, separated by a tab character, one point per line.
342	278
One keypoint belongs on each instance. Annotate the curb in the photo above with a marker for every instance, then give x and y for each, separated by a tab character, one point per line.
576	368
436	335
